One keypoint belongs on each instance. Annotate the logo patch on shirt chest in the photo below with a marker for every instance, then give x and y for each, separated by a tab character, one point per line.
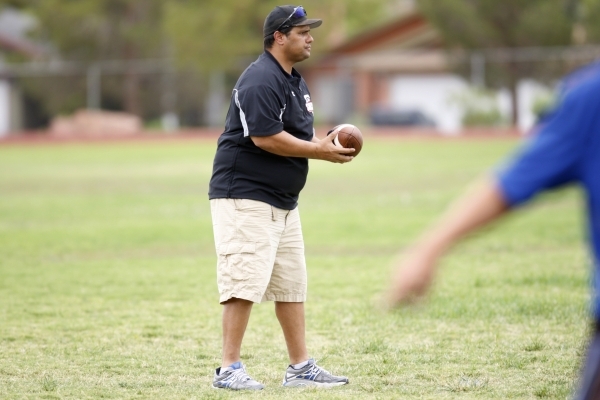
309	104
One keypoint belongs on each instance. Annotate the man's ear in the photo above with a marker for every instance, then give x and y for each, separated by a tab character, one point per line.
279	37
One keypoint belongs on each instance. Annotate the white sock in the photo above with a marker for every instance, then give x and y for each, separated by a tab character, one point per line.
300	365
229	368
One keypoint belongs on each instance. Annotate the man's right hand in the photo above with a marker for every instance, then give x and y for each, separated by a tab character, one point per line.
328	151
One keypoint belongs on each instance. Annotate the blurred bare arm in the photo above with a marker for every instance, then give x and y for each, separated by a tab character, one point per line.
414	272
286	145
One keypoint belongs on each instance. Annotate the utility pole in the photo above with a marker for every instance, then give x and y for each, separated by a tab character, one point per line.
94	87
477	62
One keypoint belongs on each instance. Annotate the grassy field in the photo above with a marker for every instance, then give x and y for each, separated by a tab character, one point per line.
108	283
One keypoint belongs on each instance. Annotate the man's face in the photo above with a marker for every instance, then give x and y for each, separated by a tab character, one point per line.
298	44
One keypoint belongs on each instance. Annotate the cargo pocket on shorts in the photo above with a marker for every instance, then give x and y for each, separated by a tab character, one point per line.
238	258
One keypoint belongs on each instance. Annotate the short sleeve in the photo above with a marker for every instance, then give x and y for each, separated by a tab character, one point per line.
551	157
260	109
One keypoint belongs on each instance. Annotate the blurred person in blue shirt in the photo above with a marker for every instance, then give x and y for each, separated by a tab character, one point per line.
564	148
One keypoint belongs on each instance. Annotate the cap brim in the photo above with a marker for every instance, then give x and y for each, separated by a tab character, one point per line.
313	23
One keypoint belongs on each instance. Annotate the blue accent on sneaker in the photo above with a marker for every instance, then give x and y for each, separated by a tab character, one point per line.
234	377
236	365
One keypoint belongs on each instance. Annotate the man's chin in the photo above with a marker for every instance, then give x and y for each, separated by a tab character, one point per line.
300	58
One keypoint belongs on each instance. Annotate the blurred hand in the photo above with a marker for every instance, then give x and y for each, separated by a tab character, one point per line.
411	278
414	272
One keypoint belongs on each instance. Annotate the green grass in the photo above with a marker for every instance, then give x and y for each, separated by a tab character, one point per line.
108	283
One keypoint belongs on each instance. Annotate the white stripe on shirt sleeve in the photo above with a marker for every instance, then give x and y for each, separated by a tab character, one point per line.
242	115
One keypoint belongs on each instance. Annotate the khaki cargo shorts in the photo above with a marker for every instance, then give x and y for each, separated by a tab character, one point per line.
260	251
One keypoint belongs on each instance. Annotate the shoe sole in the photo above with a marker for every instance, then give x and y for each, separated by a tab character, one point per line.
313	384
235	390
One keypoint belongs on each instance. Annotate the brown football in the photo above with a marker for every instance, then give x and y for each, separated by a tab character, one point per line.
350	137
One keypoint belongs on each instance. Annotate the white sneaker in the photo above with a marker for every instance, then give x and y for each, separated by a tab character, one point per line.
312	375
235	379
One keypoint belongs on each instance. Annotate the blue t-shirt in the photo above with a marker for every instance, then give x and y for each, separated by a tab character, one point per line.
564	149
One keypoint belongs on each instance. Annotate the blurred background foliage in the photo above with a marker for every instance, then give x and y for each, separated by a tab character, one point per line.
199	36
205	36
208	34
491	24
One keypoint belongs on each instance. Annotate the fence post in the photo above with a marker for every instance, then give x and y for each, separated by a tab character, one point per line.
216	99
94	87
477	69
169	119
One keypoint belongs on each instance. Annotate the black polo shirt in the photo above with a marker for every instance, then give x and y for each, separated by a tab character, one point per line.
265	101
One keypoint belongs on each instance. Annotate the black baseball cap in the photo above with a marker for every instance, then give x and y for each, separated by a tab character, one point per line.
287	16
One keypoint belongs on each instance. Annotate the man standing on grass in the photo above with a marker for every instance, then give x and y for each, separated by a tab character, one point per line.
565	149
259	169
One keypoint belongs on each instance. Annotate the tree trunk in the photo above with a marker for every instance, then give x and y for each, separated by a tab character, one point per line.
131	85
514	101
514	95
131	95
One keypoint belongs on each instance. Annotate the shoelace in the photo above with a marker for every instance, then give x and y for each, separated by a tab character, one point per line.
240	374
314	368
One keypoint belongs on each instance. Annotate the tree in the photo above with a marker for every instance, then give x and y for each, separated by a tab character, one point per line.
488	24
590	15
90	30
12	3
226	34
221	37
204	36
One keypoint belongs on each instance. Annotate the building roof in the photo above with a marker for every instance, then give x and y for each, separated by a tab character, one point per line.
14	26
410	29
406	43
10	43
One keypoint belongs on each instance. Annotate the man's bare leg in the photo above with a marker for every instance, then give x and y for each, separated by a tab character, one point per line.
236	313
291	319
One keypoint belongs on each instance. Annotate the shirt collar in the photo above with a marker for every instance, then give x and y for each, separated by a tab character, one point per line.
295	74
